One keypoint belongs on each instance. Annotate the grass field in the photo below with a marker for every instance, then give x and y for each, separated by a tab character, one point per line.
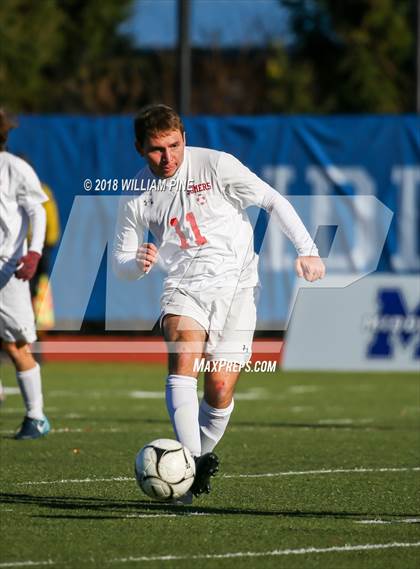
317	470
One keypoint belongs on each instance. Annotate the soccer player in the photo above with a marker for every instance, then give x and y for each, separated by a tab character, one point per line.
21	199
193	201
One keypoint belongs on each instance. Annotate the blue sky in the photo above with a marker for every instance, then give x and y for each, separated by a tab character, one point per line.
226	23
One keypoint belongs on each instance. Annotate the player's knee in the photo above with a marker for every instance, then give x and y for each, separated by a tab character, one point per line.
219	388
182	363
17	353
218	393
10	349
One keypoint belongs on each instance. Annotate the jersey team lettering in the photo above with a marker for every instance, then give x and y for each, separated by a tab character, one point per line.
141	185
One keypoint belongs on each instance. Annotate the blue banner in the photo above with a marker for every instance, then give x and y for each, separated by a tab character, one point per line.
355	180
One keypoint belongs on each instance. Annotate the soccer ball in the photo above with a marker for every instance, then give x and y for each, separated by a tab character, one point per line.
164	469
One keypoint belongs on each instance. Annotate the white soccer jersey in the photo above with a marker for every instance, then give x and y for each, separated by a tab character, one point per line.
198	218
20	193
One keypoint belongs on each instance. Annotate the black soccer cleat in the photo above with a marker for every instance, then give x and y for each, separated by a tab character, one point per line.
206	466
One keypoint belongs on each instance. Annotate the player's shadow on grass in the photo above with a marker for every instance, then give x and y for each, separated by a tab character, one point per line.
259	424
103	509
323	426
300	425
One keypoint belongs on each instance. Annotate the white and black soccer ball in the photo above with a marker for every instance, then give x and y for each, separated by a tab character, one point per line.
164	469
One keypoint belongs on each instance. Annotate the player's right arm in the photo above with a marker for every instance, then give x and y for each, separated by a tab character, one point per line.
131	257
146	256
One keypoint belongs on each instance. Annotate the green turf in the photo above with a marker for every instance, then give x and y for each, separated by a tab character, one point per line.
289	423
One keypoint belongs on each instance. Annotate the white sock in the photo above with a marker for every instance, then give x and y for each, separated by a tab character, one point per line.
182	405
29	382
213	423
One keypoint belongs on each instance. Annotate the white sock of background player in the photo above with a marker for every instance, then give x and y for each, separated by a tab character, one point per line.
182	405
29	382
213	423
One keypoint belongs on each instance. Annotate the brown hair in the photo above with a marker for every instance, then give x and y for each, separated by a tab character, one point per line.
154	119
6	124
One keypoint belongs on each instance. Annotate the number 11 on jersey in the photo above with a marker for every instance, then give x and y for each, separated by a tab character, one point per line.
199	239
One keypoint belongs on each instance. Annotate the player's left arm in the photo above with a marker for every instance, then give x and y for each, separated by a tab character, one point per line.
27	265
311	268
308	264
246	189
30	197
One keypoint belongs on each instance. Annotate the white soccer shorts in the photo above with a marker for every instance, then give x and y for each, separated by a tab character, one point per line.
228	316
17	322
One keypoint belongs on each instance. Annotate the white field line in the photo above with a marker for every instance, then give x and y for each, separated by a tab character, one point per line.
64	430
147	394
182	513
379	522
26	563
77	481
344	421
20	410
302	389
301	408
323	471
251	394
12	390
275	553
265	475
239	554
71	415
87	430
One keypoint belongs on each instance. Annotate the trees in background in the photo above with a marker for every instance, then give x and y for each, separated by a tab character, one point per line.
346	56
68	56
